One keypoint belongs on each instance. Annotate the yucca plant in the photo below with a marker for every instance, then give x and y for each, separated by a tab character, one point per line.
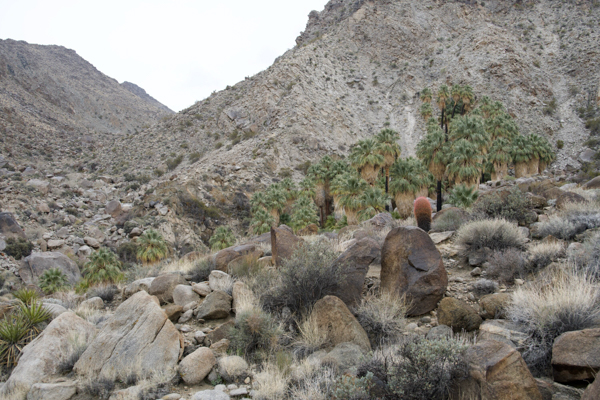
26	295
53	280
261	222
14	335
103	267
152	247
463	196
221	238
34	313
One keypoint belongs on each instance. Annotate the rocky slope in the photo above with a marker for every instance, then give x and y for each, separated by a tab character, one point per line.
54	104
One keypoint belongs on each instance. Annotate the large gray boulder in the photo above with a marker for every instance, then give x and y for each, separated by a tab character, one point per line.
412	266
216	305
138	339
41	358
9	227
52	391
37	263
184	294
196	366
283	244
164	285
136	286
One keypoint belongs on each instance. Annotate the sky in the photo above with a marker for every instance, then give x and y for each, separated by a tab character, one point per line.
179	51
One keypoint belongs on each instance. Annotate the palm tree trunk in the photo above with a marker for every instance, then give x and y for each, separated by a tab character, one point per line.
438	205
275	215
533	166
352	217
369	173
500	171
543	166
520	169
404	203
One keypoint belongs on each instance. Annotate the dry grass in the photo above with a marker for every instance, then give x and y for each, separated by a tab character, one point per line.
382	316
270	383
542	254
311	338
311	381
496	234
90	314
181	265
224	283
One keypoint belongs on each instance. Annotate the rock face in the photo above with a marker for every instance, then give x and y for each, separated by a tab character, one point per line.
164	285
592	392
497	371
35	265
216	305
9	227
576	356
136	286
334	317
195	367
569	197
52	391
184	294
458	315
283	244
138	338
225	256
503	331
411	265
41	358
355	264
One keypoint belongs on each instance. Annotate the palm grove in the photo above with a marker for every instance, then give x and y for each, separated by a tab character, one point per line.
466	141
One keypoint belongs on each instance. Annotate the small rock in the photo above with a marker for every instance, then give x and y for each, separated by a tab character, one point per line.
476	272
203	288
95	303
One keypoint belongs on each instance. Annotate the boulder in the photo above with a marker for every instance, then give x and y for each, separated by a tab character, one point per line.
569	197
216	305
221	332
592	392
52	391
380	221
220	347
35	265
9	227
136	286
184	294
173	311
137	339
225	256
43	208
439	237
592	184
210	395
54	244
552	390
42	186
494	305
196	366
458	315
333	317
219	280
412	266
503	331
95	303
354	264
55	309
90	241
283	244
439	332
344	357
202	288
576	356
497	371
42	357
232	368
113	208
246	259
163	286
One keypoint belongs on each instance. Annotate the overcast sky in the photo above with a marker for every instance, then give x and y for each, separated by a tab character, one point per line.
179	51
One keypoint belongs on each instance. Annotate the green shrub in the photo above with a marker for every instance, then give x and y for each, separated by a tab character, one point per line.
254	335
463	196
152	247
127	252
18	248
202	269
53	280
515	206
261	222
496	234
195	209
560	144
347	387
159	172
174	162
221	238
194	157
103	267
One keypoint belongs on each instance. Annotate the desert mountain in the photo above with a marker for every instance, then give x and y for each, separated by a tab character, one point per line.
53	102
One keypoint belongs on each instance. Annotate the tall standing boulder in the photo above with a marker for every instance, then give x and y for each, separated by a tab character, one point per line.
42	357
37	263
138	339
412	266
354	264
283	244
333	317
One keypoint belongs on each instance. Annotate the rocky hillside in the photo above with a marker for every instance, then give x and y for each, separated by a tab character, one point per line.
54	104
359	67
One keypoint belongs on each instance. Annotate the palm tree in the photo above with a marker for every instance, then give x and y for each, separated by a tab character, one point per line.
389	149
426	111
501	126
499	158
406	181
442	98
521	154
432	151
374	201
275	201
103	267
291	194
152	247
426	95
463	196
337	190
547	154
307	188
539	150
322	174
472	129
258	201
366	158
465	163
304	214
261	222
466	97
221	239
350	192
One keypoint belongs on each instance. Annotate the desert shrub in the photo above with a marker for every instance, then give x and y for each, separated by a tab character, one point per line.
103	267
542	254
559	227
194	157
588	259
201	269
449	221
66	364
105	292
99	388
18	248
221	238
513	207
506	265
382	317
304	279
152	247
270	383
127	252
559	301
311	381
481	287
53	280
224	284
422	211
463	196
195	209
172	163
496	234
254	335
347	387
248	266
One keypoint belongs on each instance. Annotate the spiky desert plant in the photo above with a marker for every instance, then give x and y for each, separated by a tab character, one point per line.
152	247
26	295
463	196
365	158
261	222
291	193
389	149
307	188
34	313
350	194
373	201
103	267
521	154
542	154
406	182
465	163
14	335
426	111
304	213
423	213
53	280
499	158
221	239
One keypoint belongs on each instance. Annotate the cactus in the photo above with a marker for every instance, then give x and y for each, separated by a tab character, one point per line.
423	213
